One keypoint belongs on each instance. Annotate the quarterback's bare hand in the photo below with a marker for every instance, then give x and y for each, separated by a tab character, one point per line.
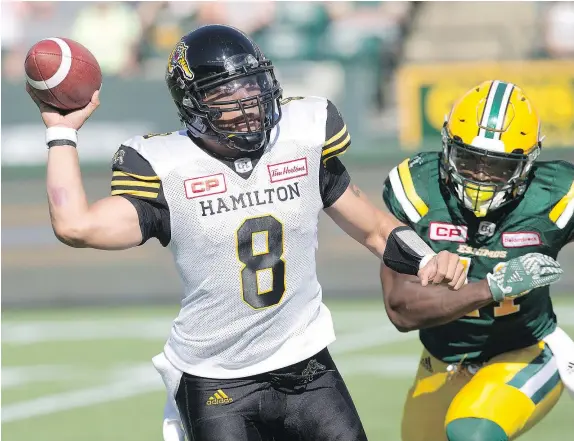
73	120
445	267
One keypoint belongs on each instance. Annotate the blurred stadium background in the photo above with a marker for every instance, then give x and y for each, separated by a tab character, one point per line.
79	326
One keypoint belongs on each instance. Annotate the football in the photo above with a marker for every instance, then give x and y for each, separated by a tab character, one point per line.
62	73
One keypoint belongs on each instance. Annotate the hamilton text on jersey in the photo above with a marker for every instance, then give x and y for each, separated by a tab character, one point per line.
220	205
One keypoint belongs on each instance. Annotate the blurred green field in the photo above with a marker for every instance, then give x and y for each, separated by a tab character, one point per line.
86	373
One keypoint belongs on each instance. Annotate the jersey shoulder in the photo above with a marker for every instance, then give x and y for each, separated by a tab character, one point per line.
407	189
132	175
325	120
163	151
135	164
552	189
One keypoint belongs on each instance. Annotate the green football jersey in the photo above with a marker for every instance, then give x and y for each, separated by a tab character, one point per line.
541	221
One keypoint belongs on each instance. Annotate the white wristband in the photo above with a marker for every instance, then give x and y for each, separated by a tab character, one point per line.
61	134
425	260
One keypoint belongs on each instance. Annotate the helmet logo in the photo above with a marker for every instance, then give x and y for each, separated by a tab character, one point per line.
119	157
177	60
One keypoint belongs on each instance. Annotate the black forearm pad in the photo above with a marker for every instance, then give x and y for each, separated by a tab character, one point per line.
404	251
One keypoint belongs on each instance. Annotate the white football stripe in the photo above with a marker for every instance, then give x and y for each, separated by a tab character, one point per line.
502	110
401	196
536	383
62	71
488	107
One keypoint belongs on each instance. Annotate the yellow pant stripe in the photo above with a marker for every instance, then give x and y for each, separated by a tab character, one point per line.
438	398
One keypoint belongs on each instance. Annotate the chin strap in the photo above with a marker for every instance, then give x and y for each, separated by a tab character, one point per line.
199	130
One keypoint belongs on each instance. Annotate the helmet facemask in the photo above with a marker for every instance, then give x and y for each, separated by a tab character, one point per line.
482	179
237	107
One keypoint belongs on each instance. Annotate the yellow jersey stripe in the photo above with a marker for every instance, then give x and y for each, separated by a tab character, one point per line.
216	395
136	184
399	193
332	155
409	187
335	137
144	194
338	146
133	175
222	393
561	205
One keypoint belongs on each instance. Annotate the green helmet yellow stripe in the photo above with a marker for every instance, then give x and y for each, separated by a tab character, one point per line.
495	109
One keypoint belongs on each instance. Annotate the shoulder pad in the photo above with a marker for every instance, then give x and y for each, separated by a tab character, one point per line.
337	137
133	175
163	151
308	100
287	100
309	104
409	182
148	140
318	119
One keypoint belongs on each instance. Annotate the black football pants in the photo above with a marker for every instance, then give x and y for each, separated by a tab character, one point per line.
307	401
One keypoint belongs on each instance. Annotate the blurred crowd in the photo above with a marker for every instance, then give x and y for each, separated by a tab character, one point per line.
134	38
558	30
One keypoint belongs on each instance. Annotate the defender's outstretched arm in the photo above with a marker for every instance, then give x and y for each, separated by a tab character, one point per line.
410	306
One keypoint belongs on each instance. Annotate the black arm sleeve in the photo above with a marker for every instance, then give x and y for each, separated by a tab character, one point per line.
154	220
333	180
134	179
405	250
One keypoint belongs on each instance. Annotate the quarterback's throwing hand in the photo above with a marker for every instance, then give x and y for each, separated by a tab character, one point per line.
445	267
518	276
73	120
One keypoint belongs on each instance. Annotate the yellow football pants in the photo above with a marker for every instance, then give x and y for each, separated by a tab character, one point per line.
514	390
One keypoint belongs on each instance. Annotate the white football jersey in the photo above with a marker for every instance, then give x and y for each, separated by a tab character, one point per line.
245	247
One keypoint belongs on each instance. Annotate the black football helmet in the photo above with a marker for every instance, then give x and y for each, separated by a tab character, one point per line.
224	87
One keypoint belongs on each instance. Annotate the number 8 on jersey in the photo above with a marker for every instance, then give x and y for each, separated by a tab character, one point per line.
261	263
